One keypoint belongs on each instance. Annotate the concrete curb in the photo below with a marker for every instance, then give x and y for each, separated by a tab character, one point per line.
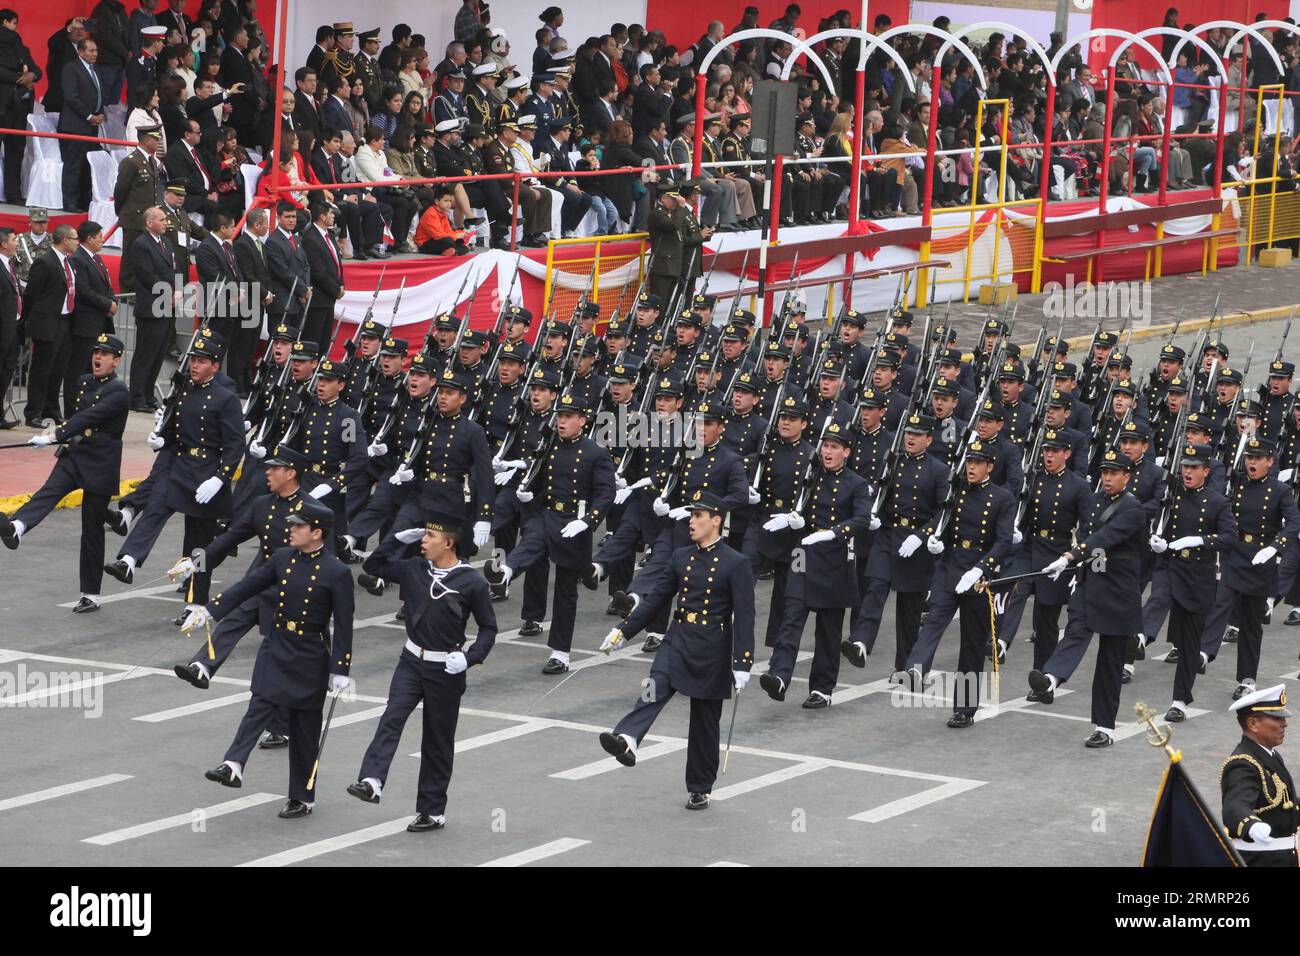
1195	325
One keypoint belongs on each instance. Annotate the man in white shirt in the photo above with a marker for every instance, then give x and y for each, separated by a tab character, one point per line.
527	160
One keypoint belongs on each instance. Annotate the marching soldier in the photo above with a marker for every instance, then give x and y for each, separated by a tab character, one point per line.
1276	401
708	650
440	593
1259	806
744	434
271	416
872	444
649	307
300	659
1017	415
586	386
333	438
499	408
1008	470
90	458
363	364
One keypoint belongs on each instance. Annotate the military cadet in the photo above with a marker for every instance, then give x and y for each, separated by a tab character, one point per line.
1008	468
974	535
445	329
1200	522
884	379
205	434
1164	417
1065	379
273	416
689	341
896	342
1017	415
480	105
1093	371
90	458
1276	400
375	400
574	487
855	353
872	445
708	650
830	404
649	308
1169	366
618	409
301	658
1267	520
586	386
498	409
950	427
1214	355
1106	599
1259	807
440	592
909	503
364	363
775	381
469	362
616	342
37	240
1227	389
832	509
334	440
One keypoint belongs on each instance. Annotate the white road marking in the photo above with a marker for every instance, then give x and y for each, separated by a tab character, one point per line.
182	819
63	790
609	763
1127	730
311	850
728	863
523	857
496	736
768	779
896	808
60	690
134	593
1045	712
212	703
361	716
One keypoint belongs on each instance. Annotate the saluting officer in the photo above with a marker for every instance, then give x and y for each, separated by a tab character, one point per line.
89	458
440	593
708	650
1259	797
300	659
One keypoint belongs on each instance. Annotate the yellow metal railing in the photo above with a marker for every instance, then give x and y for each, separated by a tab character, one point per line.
612	277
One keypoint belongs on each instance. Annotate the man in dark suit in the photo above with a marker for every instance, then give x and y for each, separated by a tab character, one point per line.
208	106
333	113
237	74
598	71
48	302
18	77
153	260
93	313
220	277
174	18
11	300
61	50
286	262
83	114
306	114
361	219
599	116
326	274
183	162
250	259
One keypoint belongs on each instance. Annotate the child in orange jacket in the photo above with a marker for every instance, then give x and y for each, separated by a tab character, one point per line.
434	235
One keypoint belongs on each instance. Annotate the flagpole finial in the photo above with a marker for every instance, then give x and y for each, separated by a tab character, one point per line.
1157	736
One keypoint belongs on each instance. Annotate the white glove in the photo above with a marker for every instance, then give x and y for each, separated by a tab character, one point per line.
182	568
875	523
909	546
508	465
498	464
39	441
255	449
1016	536
620	482
612	642
574	528
677	514
248	426
661	507
1055	569
503	478
1264	555
1191	541
817	537
934	545
523	496
339	683
410	535
482	531
754	496
1259	831
401	476
1285	474
456	663
640	483
195	619
968	580
740	679
320	491
153	440
796	521
777	523
1160	461
158	415
376	449
208	490
622	495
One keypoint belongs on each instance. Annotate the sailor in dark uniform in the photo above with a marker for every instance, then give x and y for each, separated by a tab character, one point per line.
301	659
1259	798
440	593
708	650
835	509
1106	598
90	458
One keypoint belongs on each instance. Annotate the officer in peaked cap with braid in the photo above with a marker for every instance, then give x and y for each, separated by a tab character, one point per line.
1259	797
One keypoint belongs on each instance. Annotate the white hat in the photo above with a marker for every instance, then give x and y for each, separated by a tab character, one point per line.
1269	702
446	126
563	55
485	69
154	32
528	119
516	82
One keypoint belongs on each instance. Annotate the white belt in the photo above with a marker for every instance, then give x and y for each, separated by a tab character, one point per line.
438	657
1268	843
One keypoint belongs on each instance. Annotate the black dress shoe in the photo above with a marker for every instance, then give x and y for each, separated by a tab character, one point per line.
116	522
612	610
1175	715
1033	697
1204	663
617	748
372	584
85	606
423	823
1293	618
958	721
363	791
622	603
772	685
8	534
697	801
1242	690
273	742
190	673
1230	634
1173	657
1042	687
816	701
1099	739
530	629
651	643
554	665
854	653
401	612
1126	677
499	592
591	580
8	423
224	776
294	809
121	570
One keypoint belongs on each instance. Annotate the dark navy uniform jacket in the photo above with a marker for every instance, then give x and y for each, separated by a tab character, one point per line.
768	396
716	469
1111	541
712	628
821	413
576	482
358	376
438	612
784	465
1276	411
454	449
94	434
334	438
309	590
743	435
1018	416
1056	505
384	392
1266	515
912	504
827	576
500	410
1008	469
1257	788
587	389
868	460
980	533
1201	513
207	436
265	518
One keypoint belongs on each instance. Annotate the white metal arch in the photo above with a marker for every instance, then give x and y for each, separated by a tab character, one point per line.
944	35
1001	27
1242	30
869	39
799	45
1258	25
1121	34
1186	37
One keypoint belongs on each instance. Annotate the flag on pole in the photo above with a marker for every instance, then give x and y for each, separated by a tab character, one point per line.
1183	831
